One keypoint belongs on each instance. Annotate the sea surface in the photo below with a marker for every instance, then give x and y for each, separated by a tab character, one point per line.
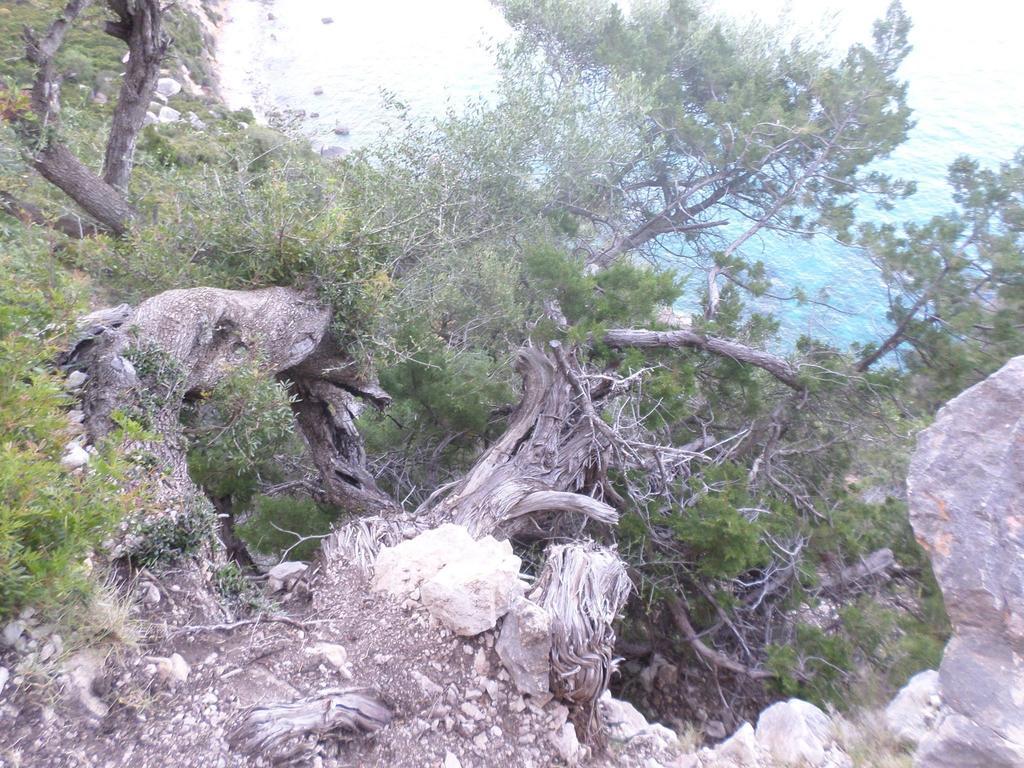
966	76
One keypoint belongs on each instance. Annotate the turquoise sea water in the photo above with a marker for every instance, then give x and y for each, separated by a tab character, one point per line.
966	77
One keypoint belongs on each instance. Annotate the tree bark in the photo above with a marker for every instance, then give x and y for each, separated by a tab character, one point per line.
141	26
778	367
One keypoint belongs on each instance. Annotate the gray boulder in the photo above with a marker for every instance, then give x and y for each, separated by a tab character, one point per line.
966	497
794	733
524	646
168	115
913	713
167	87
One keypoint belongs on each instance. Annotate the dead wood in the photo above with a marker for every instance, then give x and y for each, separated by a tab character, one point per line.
287	731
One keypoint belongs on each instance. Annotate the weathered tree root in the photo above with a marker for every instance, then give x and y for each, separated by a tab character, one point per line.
583	587
285	732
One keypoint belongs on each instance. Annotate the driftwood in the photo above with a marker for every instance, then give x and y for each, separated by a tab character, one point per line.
286	732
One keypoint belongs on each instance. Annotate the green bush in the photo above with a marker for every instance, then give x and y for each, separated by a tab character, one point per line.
276	523
237	432
50	520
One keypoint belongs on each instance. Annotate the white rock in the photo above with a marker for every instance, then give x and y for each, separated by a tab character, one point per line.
469	596
794	733
171	669
451	761
75	456
168	115
167	87
466	584
567	745
912	713
336	656
626	723
150	119
284	575
524	646
196	122
75	380
400	569
4	676
740	749
83	668
12	632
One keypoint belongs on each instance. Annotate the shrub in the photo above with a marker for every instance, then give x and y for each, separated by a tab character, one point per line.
277	522
50	520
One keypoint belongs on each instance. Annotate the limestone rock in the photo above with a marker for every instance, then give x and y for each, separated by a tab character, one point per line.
4	676
626	723
467	584
171	669
284	575
524	646
469	596
794	733
912	714
168	115
75	457
402	568
567	744
335	655
740	749
84	668
967	509
75	380
167	87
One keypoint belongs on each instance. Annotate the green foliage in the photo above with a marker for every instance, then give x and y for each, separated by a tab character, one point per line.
50	520
236	433
275	524
168	539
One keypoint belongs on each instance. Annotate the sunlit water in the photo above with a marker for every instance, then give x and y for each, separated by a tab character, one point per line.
965	73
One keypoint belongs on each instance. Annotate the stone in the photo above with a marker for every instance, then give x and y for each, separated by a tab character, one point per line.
740	749
451	761
168	115
967	510
567	745
794	732
342	130
13	632
333	153
327	20
196	122
75	457
4	677
400	569
524	646
466	584
625	723
715	730
75	380
912	713
335	655
150	119
284	575
167	87
171	669
84	669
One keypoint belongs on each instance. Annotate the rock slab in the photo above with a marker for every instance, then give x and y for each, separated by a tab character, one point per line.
966	498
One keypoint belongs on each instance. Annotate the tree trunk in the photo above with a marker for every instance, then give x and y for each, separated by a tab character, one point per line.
141	26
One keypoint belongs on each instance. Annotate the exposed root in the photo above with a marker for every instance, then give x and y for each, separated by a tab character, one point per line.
286	732
583	587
